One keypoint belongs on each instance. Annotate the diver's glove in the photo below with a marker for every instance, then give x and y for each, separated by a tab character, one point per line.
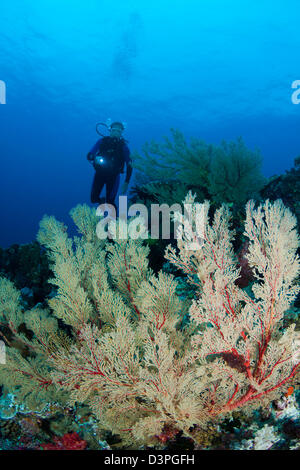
124	188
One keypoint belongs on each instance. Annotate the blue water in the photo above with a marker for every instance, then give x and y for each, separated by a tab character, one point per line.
214	69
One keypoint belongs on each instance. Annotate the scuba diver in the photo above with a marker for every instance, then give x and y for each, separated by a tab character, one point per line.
108	156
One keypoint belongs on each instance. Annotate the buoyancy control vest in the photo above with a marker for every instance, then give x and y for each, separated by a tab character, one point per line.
111	149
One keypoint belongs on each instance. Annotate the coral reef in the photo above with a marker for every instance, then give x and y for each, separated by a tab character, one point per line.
28	267
287	188
113	338
229	172
70	441
167	170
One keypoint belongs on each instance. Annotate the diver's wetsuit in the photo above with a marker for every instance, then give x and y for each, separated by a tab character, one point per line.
109	174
